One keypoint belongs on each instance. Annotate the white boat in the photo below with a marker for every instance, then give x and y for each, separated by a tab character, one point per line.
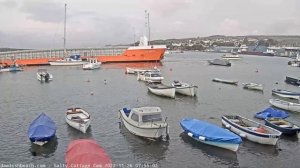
78	119
93	64
251	130
233	82
144	121
286	93
137	71
162	90
68	61
151	77
231	57
44	76
185	88
13	68
285	105
253	86
71	60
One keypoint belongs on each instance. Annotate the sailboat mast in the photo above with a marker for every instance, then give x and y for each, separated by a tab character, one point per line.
65	33
148	27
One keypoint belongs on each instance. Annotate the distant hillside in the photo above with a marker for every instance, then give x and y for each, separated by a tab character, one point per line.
10	49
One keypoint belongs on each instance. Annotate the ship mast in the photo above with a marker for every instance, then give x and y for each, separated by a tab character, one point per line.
65	23
147	25
148	28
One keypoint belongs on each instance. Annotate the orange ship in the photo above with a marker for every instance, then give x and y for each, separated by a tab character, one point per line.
141	53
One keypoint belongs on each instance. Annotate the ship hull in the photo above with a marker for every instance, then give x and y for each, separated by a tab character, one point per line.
137	55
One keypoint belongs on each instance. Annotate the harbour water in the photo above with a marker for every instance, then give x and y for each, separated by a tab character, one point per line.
103	92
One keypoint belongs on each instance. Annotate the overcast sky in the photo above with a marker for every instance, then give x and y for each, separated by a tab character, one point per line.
94	23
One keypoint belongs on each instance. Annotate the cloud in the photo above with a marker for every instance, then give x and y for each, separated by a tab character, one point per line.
287	26
230	27
43	11
8	3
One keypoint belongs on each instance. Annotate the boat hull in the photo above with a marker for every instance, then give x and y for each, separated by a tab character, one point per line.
188	91
267	139
225	81
153	133
91	66
253	86
66	63
135	55
166	92
229	146
43	79
285	105
286	131
79	126
286	94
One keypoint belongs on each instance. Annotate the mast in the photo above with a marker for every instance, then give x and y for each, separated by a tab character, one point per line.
149	28
65	33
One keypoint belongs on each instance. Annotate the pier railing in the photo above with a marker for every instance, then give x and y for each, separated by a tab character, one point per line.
59	53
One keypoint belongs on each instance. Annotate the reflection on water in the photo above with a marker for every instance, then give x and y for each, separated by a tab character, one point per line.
46	150
259	149
144	149
222	156
76	134
141	65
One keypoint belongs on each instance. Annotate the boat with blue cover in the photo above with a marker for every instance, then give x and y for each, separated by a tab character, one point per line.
284	126
251	130
210	134
271	112
41	130
286	93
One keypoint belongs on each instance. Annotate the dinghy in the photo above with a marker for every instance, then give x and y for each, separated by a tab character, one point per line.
253	86
162	90
145	122
43	76
251	130
86	153
286	93
232	82
210	134
41	130
184	88
286	105
283	126
271	112
78	119
292	81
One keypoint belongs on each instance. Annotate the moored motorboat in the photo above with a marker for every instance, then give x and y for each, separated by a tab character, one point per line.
184	88
162	90
144	121
286	105
92	64
233	82
44	76
151	77
12	68
284	126
220	62
231	56
292	81
251	130
73	60
210	134
86	153
78	119
286	93
271	112
137	71
253	86
41	130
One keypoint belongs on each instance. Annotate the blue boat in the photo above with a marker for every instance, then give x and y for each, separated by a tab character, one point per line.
283	126
41	130
211	134
271	112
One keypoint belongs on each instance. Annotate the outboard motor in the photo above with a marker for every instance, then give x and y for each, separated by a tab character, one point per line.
47	77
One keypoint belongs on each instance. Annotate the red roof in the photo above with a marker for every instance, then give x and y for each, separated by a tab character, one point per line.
86	153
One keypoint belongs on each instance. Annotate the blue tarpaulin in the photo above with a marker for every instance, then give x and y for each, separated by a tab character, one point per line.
41	129
271	112
209	131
